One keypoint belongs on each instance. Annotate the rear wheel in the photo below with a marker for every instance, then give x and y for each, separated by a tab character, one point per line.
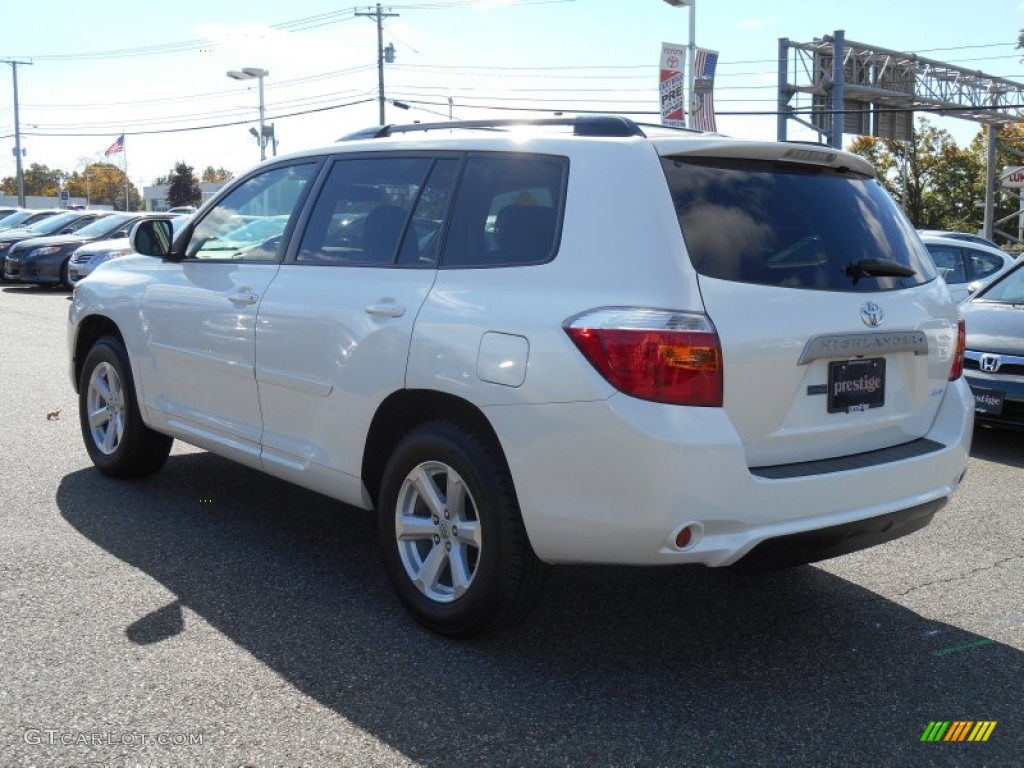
117	440
454	543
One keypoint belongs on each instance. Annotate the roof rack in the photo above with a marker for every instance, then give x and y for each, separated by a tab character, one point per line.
661	127
583	125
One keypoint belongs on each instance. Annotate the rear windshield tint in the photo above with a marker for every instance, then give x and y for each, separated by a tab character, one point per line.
793	226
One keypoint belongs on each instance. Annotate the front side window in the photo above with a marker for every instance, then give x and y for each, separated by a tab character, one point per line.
507	211
794	226
248	223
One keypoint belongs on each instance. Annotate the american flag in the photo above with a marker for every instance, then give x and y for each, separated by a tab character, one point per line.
117	146
704	89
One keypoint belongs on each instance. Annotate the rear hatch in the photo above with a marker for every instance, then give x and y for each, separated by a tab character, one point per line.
836	336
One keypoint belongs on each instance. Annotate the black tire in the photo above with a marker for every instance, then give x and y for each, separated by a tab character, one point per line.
65	278
505	575
121	445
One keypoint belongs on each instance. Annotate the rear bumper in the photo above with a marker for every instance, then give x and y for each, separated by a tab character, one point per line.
836	540
615	481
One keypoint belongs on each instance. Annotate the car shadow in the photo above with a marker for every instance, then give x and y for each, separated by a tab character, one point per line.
1004	446
615	666
31	289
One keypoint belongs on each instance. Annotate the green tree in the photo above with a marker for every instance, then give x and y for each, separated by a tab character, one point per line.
217	174
103	184
935	181
183	186
1009	152
98	183
39	180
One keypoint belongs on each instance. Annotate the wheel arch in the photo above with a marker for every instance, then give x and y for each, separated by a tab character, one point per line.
403	411
90	330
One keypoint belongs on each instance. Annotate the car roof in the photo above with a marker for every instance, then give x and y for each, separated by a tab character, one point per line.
928	239
559	135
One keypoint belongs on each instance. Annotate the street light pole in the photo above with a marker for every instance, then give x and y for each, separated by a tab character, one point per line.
254	73
263	140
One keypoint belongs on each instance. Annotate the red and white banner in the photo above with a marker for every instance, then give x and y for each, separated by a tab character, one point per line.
673	85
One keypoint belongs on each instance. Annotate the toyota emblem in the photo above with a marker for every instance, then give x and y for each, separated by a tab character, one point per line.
871	314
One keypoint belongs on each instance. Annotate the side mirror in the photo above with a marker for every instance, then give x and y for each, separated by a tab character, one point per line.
152	237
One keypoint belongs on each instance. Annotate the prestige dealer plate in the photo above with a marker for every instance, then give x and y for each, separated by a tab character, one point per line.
856	385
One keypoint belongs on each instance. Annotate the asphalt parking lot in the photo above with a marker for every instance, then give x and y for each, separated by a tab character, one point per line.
211	615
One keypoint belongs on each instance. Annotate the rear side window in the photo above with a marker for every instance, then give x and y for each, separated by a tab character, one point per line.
792	226
363	211
507	211
949	261
983	264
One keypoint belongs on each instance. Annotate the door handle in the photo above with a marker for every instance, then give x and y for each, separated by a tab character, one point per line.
244	296
386	308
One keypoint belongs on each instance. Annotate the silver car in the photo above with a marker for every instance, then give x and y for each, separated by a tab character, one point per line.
85	259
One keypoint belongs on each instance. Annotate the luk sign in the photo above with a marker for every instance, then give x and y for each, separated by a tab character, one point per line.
1013	177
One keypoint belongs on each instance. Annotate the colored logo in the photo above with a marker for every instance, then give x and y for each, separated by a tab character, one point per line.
958	730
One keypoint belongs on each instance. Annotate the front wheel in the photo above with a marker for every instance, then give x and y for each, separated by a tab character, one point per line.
65	276
118	442
453	539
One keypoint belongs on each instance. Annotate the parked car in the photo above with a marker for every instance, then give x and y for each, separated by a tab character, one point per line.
46	260
966	266
25	218
994	356
185	209
966	236
88	257
63	223
7	211
622	345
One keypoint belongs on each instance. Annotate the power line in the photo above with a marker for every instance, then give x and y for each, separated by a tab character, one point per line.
296	25
201	127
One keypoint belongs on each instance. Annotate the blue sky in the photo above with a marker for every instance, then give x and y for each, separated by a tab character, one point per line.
547	54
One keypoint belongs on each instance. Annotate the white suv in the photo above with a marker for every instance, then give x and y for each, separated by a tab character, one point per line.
574	341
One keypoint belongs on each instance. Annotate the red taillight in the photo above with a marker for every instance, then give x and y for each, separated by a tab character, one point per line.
667	357
958	355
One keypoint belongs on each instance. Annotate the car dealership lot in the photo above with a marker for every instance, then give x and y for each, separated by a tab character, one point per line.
211	615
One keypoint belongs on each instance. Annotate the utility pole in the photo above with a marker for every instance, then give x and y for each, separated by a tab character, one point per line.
17	133
380	15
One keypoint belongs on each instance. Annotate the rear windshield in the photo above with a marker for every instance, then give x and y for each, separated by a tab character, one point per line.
794	226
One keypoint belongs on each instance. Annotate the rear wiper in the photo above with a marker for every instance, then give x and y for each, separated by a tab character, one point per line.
877	268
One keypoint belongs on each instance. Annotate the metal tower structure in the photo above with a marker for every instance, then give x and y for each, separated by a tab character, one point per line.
835	86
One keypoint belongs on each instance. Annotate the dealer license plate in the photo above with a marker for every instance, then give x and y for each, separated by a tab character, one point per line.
987	400
856	385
